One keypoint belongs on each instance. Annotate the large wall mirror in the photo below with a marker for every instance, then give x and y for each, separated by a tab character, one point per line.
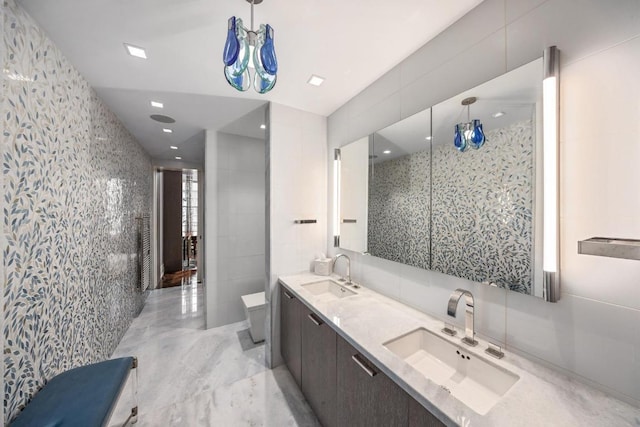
410	195
399	192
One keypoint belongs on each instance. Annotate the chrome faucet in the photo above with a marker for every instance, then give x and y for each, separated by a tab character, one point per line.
469	330
348	279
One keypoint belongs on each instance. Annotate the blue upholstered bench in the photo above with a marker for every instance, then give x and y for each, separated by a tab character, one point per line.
84	396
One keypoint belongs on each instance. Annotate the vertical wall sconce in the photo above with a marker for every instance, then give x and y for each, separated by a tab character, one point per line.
336	198
550	113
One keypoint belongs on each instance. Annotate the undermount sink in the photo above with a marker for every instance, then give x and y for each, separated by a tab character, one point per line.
328	289
474	381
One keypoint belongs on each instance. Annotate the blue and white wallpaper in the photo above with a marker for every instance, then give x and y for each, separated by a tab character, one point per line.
74	180
471	216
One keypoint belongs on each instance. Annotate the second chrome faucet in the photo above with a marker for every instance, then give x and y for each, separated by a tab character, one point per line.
470	333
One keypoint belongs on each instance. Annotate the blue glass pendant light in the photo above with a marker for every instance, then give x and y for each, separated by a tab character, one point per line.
459	140
477	135
236	56
232	45
469	133
239	58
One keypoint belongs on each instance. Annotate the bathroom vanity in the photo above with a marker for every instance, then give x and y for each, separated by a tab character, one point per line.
322	363
361	358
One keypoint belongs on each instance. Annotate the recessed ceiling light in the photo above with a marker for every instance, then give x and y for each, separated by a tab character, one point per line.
165	130
498	114
136	51
386	152
178	158
428	138
263	126
173	147
315	80
157	104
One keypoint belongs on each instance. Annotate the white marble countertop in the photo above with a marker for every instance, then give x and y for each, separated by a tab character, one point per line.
541	396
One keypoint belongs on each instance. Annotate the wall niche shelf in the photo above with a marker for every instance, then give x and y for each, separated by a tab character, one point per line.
610	247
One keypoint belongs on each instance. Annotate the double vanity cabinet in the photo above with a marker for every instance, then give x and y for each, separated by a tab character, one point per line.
363	359
342	386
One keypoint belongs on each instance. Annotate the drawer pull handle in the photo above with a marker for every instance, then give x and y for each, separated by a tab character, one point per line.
311	317
368	370
288	295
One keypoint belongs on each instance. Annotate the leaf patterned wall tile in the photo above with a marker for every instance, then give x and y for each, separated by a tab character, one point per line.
399	210
74	180
474	222
483	209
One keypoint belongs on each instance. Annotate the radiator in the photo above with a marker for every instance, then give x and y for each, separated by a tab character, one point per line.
144	251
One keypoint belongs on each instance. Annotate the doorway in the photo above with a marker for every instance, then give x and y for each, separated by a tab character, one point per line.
189	220
178	226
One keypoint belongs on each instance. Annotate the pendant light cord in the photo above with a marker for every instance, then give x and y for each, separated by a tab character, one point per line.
252	15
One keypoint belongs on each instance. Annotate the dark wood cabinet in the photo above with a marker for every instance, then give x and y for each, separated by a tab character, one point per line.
290	334
319	367
421	417
341	385
366	396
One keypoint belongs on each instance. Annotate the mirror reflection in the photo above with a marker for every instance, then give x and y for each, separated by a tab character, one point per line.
354	184
399	192
428	202
483	198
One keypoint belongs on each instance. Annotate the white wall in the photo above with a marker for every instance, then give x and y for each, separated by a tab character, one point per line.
593	331
210	230
238	230
298	190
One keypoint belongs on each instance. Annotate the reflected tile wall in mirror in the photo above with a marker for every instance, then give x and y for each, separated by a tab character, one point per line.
482	224
399	210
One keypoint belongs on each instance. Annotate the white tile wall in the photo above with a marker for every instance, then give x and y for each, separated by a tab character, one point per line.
593	331
578	27
595	340
600	193
477	25
514	9
454	76
212	190
298	190
238	174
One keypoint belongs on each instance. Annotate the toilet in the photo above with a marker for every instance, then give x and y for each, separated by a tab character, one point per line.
255	309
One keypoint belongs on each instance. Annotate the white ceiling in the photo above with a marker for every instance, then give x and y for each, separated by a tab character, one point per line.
350	43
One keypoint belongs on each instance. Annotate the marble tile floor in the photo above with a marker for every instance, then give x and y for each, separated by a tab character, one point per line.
189	376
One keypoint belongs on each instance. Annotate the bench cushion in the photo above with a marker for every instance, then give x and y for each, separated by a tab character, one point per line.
83	396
